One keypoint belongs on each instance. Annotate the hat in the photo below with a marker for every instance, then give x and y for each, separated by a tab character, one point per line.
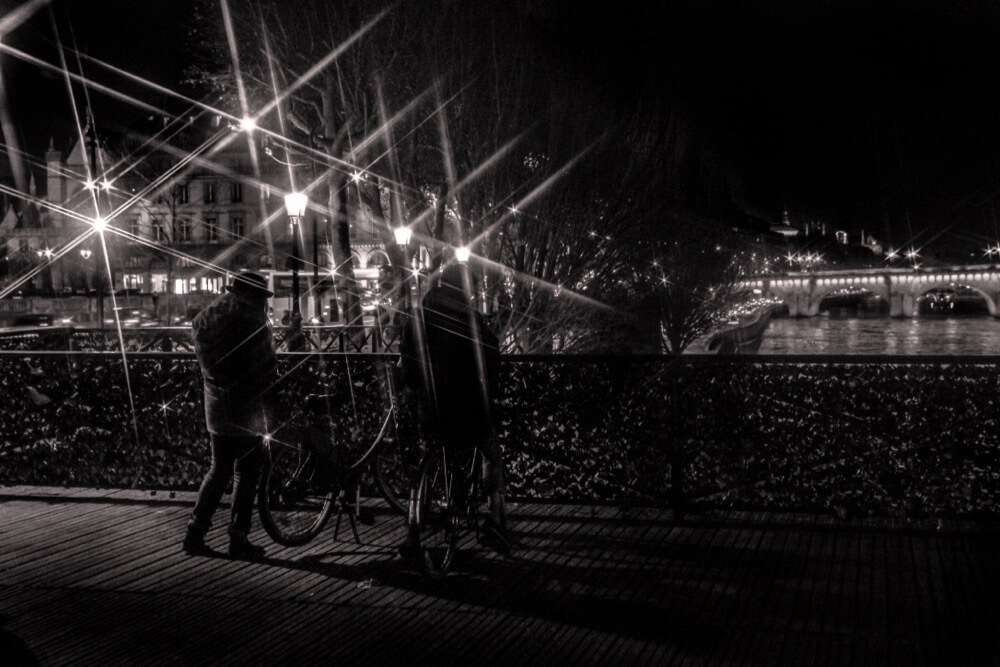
251	284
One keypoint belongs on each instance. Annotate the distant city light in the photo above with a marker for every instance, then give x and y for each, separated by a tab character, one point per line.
90	184
100	224
106	185
462	254
357	176
248	124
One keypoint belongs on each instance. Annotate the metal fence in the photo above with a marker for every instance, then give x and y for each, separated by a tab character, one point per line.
851	436
335	338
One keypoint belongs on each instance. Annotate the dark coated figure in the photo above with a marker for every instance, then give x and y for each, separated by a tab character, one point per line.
235	351
451	360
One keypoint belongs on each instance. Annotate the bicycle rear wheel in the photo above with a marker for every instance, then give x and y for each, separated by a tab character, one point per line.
435	515
294	503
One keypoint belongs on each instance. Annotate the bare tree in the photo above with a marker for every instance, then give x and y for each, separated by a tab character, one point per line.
312	62
454	118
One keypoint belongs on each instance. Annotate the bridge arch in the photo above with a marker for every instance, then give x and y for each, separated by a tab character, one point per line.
991	302
830	285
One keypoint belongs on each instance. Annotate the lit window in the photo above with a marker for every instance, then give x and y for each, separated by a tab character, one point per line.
158	282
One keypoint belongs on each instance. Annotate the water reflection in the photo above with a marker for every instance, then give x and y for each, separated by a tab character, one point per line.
830	333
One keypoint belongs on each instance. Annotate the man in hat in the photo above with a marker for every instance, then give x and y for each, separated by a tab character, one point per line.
239	368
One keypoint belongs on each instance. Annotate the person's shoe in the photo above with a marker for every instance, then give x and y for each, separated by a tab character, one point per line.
495	536
242	549
194	545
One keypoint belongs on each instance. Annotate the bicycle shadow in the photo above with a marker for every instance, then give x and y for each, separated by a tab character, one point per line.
14	649
601	596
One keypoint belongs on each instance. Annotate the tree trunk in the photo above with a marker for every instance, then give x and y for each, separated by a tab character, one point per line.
342	256
439	218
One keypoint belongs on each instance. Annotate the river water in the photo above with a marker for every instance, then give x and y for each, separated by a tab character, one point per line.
879	334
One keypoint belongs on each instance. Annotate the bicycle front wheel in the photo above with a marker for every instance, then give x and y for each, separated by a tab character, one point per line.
293	501
435	515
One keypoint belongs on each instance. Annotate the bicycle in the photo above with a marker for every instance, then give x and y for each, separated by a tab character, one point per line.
445	497
302	479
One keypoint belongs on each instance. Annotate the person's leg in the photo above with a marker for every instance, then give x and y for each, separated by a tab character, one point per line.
212	487
248	462
493	483
494	529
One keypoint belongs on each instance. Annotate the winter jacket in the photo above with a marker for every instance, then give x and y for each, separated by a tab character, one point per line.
451	360
238	364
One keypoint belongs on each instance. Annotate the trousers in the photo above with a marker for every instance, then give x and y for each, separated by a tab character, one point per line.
236	458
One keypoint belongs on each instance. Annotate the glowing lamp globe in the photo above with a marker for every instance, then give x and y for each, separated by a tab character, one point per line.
295	204
403	235
462	254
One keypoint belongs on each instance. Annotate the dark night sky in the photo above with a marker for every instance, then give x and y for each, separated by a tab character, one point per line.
863	113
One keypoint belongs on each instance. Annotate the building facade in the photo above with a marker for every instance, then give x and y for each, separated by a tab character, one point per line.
180	236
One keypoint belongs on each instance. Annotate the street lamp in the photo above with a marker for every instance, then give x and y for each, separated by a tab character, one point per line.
462	254
46	255
86	254
403	235
295	207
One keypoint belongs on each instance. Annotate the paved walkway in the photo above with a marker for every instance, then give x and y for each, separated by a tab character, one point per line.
97	577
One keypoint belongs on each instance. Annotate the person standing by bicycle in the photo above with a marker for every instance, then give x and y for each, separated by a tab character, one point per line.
451	361
234	347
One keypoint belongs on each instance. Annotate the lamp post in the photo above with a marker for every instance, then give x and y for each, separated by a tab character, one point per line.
45	255
295	207
86	253
92	283
403	235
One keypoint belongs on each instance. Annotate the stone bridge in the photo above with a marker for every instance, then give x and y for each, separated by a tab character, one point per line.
901	288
